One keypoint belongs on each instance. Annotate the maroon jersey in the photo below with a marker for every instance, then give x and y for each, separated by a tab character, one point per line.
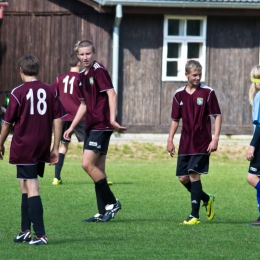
32	108
93	87
195	111
67	86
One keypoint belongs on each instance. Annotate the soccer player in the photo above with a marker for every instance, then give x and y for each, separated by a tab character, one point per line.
98	102
67	86
33	110
253	152
194	104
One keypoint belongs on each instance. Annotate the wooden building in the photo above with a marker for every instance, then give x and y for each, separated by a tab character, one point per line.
155	38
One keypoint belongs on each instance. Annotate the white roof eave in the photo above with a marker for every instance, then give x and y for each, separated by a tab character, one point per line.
182	4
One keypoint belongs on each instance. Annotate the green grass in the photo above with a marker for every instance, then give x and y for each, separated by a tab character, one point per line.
153	205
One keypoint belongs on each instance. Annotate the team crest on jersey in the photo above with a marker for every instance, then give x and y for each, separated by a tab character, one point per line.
91	81
199	101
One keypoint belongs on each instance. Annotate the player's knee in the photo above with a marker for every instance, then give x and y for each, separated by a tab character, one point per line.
184	179
87	167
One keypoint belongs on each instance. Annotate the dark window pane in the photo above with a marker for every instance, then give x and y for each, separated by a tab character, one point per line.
193	50
173	50
173	27
193	27
172	69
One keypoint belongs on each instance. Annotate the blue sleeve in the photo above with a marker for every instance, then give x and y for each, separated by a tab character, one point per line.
256	109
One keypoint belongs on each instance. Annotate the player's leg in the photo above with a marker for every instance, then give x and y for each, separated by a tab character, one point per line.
185	181
29	173
80	134
182	172
207	199
94	158
196	191
254	181
58	167
253	178
64	145
25	233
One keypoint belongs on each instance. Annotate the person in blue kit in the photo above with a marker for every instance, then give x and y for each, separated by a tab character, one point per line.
253	151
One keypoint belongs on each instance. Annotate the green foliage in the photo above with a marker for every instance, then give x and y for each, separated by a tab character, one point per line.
153	205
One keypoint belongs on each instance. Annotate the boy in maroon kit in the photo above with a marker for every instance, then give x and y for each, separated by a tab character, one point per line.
33	109
67	86
195	104
98	102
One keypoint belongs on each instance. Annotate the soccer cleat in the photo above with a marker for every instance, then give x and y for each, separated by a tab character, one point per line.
38	241
256	223
111	210
97	218
109	182
209	207
191	221
56	181
23	237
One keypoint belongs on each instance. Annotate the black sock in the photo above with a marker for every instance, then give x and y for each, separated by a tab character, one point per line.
105	192
100	202
59	165
187	185
196	191
25	219
204	196
36	215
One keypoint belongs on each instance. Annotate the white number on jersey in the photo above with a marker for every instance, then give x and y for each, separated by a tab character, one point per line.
66	82
41	104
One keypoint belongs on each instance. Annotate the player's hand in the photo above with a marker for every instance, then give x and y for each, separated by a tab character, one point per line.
67	134
2	152
213	146
171	148
119	128
54	157
250	153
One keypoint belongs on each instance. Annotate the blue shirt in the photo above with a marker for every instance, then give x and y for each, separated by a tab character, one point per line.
256	109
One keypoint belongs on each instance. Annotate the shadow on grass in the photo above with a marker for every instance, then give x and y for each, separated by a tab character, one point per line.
91	183
87	239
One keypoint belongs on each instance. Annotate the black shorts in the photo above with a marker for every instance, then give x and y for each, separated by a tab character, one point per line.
192	163
79	131
27	172
98	141
254	166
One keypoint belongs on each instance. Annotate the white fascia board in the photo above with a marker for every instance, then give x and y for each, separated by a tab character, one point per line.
181	4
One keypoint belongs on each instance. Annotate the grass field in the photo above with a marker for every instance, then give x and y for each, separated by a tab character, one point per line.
153	205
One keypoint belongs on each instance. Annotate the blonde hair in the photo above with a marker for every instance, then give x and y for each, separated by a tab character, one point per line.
84	43
254	87
76	46
192	65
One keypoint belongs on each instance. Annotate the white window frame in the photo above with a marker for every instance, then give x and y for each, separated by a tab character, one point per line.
183	54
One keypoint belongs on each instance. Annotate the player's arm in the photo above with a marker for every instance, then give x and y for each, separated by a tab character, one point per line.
173	128
80	114
112	100
57	129
6	129
213	146
255	140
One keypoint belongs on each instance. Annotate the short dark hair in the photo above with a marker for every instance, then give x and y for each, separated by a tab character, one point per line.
74	60
29	64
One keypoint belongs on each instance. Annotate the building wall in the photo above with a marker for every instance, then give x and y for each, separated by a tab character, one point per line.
232	50
49	30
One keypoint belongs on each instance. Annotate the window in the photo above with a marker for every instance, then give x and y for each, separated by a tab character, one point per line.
184	39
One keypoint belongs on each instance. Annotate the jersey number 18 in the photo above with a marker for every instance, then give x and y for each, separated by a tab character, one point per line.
41	104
